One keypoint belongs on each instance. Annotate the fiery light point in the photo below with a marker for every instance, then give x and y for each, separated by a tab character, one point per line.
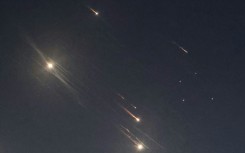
137	119
140	147
95	12
50	65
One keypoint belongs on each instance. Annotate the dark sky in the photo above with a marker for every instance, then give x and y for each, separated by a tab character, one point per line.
128	50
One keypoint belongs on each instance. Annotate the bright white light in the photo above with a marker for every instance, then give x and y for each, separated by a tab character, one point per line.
95	12
50	65
140	147
137	119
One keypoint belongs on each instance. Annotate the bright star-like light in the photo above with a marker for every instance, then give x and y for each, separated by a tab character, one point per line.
137	119
95	12
50	65
140	147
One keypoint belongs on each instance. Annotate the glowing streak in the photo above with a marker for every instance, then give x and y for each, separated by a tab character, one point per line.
180	47
125	128
95	12
183	50
129	137
133	106
130	133
131	114
58	72
150	138
36	49
121	96
138	144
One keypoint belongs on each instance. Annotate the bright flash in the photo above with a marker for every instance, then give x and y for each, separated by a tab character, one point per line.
50	65
137	119
140	147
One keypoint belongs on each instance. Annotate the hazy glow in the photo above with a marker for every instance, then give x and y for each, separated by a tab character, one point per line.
140	147
50	65
137	119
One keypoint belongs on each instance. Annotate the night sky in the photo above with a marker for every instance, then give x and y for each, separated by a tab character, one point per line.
131	54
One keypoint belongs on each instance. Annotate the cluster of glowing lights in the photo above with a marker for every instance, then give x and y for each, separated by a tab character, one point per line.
54	69
139	145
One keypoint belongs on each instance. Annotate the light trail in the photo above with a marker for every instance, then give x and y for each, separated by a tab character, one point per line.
150	138
122	97
125	128
138	144
95	12
57	71
133	106
135	142
180	47
131	114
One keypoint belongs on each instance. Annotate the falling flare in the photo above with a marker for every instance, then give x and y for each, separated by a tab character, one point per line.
129	136
183	49
180	47
137	142
133	106
95	12
57	71
122	97
125	128
131	114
